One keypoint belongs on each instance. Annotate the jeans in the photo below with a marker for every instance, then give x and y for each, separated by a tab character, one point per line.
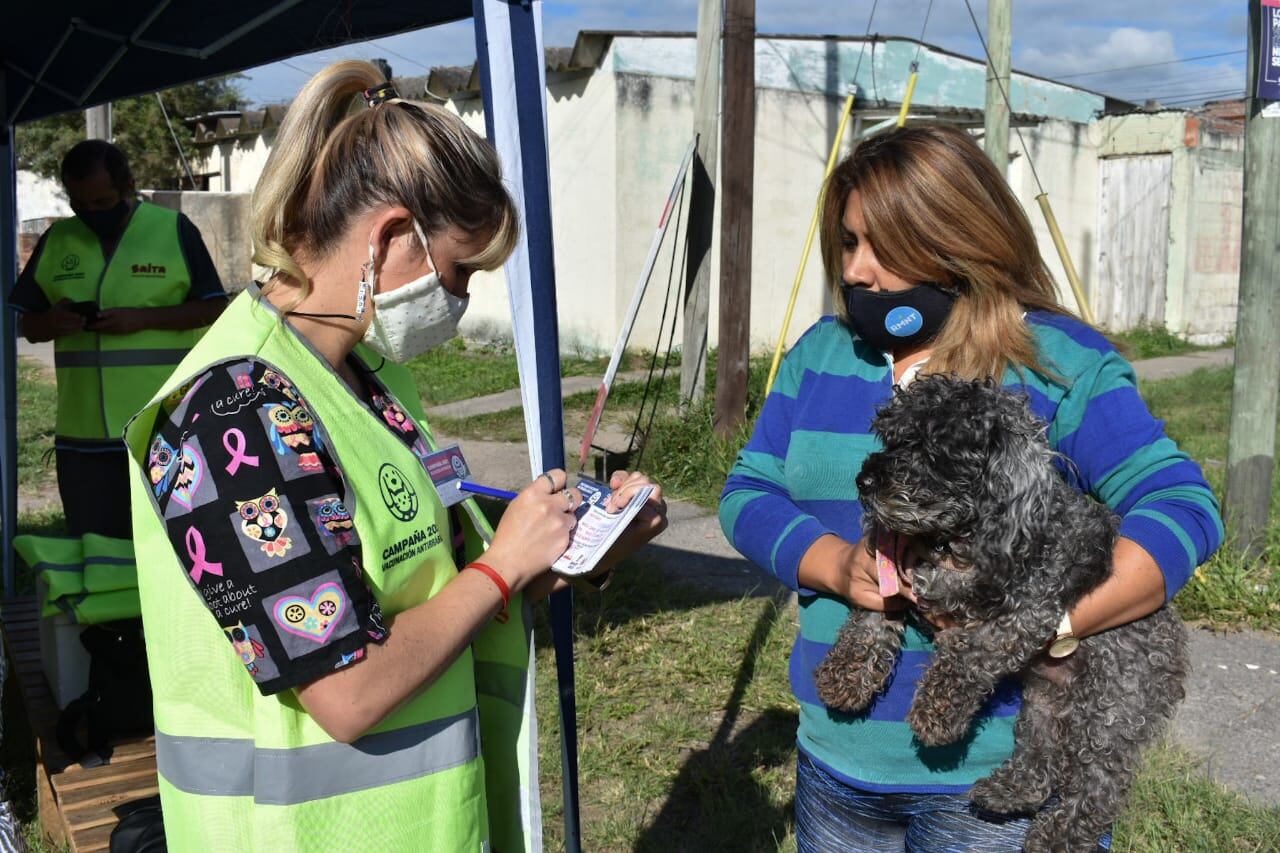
831	816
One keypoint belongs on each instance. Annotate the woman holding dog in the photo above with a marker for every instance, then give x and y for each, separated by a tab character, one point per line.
338	661
934	268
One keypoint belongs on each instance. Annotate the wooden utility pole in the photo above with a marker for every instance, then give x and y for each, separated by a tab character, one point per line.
97	122
1251	447
737	172
995	140
702	202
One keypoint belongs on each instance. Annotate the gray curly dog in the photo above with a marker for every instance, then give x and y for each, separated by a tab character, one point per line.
1003	547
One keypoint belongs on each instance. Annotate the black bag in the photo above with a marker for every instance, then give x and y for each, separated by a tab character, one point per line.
141	828
118	701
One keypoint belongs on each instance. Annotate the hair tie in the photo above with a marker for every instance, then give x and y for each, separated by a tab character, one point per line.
375	95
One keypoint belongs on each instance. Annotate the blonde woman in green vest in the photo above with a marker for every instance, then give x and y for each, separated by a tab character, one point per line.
120	289
339	663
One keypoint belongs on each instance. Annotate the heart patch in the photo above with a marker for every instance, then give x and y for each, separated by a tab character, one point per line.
313	618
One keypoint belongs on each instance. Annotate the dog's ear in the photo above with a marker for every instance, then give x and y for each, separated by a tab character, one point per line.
1019	477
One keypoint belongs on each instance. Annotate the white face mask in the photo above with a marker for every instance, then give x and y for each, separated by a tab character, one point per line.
414	317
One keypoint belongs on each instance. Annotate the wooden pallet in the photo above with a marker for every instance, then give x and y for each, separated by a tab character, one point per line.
77	804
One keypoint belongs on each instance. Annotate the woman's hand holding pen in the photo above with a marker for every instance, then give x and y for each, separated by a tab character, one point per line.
534	530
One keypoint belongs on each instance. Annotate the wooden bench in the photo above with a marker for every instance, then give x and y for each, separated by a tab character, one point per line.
77	804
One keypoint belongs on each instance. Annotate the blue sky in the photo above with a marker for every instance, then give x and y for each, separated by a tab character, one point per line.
1073	41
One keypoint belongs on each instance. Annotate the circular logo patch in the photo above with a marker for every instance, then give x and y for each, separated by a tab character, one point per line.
397	494
70	262
903	321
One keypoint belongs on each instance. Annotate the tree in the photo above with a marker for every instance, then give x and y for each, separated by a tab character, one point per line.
137	126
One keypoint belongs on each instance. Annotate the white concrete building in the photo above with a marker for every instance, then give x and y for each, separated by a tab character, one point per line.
620	114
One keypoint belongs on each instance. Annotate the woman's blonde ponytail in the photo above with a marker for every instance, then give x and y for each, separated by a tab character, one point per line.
335	158
324	102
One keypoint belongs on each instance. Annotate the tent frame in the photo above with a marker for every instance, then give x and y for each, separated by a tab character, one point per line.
521	20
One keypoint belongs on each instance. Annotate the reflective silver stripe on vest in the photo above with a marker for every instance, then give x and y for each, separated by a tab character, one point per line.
233	767
117	358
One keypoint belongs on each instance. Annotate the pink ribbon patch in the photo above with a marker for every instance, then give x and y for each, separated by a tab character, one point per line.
237	451
196	551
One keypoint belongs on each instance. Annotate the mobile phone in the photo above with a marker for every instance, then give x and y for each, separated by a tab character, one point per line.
87	310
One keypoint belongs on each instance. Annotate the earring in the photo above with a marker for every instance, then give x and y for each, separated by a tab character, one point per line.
367	276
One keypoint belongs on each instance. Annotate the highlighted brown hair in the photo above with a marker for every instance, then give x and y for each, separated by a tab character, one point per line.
937	210
335	158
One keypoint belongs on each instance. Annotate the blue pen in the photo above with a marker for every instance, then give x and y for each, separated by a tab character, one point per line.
487	491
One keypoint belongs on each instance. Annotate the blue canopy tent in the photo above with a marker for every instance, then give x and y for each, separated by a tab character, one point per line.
73	54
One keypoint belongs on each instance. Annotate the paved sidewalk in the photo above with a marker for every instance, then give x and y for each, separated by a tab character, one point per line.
40	352
504	400
1150	369
1177	365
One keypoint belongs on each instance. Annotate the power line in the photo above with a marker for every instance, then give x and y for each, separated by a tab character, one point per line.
400	55
1210	96
1150	65
1184	94
1186	87
863	47
915	63
1026	152
1173	81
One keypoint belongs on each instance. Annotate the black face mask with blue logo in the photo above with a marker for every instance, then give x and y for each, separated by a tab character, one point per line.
892	319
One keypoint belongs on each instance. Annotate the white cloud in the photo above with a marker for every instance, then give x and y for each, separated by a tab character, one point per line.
1123	47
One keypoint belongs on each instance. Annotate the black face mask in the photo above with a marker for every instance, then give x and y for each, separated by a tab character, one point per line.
105	223
889	320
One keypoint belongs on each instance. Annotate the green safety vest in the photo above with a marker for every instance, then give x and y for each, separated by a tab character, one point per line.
503	666
91	578
104	379
239	770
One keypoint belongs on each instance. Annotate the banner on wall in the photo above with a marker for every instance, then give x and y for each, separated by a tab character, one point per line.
1268	88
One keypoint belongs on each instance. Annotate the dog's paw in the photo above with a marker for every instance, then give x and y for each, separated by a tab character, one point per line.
844	689
1008	792
937	729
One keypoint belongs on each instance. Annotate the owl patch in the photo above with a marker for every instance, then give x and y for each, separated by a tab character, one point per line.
264	521
294	430
276	382
333	521
160	465
183	470
249	649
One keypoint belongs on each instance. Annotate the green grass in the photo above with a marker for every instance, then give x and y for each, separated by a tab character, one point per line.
1175	806
460	370
687	729
1227	591
1153	342
686	722
37	406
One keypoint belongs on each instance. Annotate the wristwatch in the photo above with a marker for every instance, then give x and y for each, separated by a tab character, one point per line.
1064	641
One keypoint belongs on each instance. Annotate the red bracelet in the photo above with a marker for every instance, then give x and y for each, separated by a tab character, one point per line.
497	579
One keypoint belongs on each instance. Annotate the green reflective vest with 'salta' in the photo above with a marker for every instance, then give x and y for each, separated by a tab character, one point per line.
104	379
454	768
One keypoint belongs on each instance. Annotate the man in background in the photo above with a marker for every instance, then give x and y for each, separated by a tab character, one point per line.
121	288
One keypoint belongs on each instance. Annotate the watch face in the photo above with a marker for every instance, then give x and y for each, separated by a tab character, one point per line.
1063	646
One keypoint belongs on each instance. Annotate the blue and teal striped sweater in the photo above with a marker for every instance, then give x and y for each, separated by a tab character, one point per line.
795	481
